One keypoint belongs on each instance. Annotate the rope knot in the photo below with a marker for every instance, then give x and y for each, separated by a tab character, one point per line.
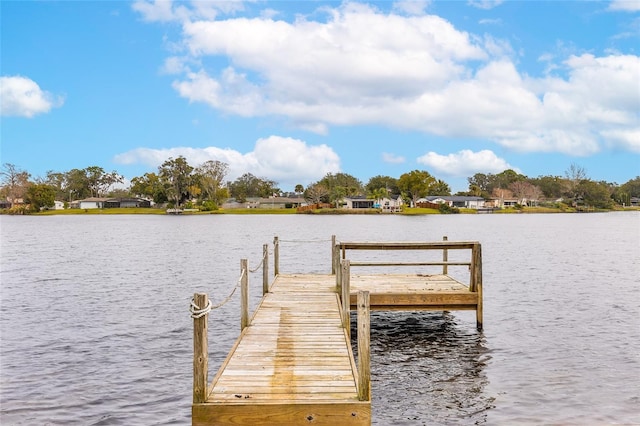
196	312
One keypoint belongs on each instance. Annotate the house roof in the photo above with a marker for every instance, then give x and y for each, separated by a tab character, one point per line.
92	199
453	198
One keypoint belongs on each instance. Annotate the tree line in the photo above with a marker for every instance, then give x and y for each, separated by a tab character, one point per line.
177	183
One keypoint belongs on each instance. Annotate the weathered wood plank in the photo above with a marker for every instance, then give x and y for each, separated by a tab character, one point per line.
406	245
298	394
328	413
420	299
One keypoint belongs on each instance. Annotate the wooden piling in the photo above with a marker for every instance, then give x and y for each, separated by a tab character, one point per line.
334	262
244	294
364	347
445	258
346	295
265	269
200	350
276	256
338	269
476	281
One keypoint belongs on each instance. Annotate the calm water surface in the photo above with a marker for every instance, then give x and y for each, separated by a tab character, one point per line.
95	330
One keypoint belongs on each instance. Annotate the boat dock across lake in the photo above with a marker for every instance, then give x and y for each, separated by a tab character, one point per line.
293	363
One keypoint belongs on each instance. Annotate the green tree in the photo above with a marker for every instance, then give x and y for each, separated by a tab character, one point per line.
149	186
632	187
249	185
59	182
299	189
175	175
475	190
624	192
389	183
506	178
77	184
39	196
341	183
316	193
440	187
378	194
552	187
416	184
595	194
337	194
210	177
575	174
99	182
481	184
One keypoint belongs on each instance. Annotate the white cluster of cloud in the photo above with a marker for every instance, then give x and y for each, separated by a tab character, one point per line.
405	69
465	163
23	97
279	158
625	5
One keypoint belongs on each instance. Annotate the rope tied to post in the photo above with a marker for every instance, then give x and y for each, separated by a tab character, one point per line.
195	310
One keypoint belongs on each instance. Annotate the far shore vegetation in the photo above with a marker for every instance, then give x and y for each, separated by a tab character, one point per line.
182	188
407	211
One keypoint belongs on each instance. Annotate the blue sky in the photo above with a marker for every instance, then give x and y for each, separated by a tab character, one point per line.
291	91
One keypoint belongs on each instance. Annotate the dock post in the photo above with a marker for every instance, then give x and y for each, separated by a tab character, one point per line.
364	348
265	269
200	351
346	295
333	255
476	281
338	273
445	257
244	294
276	256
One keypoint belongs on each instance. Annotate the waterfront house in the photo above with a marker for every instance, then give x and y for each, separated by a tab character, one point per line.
460	201
126	203
358	202
265	203
89	203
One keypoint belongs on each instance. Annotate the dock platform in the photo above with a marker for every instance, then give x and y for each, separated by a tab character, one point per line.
293	363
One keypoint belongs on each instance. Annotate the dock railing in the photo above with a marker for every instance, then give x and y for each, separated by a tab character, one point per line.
343	271
474	264
201	306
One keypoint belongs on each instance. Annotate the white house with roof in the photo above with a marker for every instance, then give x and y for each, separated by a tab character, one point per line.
461	201
358	202
89	203
389	204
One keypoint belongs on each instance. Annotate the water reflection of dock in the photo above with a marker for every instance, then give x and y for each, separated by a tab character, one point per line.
293	363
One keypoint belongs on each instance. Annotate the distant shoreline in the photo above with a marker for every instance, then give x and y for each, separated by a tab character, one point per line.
321	212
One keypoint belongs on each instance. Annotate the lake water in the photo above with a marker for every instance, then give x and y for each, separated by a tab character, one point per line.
95	328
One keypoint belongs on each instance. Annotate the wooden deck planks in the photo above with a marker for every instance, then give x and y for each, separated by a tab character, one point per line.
413	292
292	365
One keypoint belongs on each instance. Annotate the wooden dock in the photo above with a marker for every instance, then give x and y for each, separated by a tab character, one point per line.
292	363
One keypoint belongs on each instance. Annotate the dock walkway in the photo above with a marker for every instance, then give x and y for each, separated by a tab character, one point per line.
292	365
